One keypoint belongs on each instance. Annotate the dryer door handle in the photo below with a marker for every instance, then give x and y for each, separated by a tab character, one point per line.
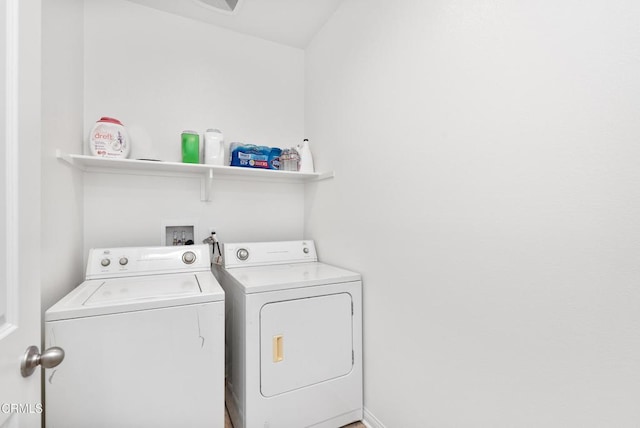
278	343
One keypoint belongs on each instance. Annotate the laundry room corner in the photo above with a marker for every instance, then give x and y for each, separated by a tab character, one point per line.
62	117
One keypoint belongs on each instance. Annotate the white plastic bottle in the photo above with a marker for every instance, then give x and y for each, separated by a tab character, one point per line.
213	147
109	139
306	160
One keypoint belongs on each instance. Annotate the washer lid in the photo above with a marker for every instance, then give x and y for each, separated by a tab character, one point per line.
284	276
119	291
111	296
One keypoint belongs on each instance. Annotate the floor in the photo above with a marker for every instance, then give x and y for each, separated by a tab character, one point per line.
228	424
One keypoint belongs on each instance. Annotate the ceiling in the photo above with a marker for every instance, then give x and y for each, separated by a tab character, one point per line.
290	22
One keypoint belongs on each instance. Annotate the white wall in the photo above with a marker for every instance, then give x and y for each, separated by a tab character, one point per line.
486	157
127	210
161	74
62	124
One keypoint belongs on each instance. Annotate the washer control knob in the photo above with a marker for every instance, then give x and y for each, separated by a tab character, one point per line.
305	250
242	254
189	257
123	261
105	262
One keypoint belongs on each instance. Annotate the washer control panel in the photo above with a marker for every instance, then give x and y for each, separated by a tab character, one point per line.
268	253
131	261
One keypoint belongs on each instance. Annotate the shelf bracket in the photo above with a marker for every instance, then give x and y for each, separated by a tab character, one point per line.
206	183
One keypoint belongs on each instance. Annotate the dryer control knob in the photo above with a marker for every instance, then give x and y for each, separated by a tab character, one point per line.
105	262
305	250
123	261
242	254
189	257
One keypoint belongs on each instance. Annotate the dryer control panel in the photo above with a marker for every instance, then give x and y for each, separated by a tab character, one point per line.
245	254
132	261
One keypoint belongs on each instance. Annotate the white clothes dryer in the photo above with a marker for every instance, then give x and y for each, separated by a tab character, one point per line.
143	337
294	337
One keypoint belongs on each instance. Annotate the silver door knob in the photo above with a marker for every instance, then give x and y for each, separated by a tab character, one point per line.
48	359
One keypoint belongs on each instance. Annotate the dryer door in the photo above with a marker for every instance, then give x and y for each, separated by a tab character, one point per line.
304	342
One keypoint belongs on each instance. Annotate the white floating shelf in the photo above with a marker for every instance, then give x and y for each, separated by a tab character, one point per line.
207	173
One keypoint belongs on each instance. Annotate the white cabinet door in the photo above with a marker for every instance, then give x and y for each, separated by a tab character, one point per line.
20	397
304	342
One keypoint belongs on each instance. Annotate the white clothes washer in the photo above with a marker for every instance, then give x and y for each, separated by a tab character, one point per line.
143	337
294	337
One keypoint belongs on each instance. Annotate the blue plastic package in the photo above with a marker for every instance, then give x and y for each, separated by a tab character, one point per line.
252	156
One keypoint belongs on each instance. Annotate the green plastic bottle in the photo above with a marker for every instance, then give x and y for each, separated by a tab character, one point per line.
190	147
